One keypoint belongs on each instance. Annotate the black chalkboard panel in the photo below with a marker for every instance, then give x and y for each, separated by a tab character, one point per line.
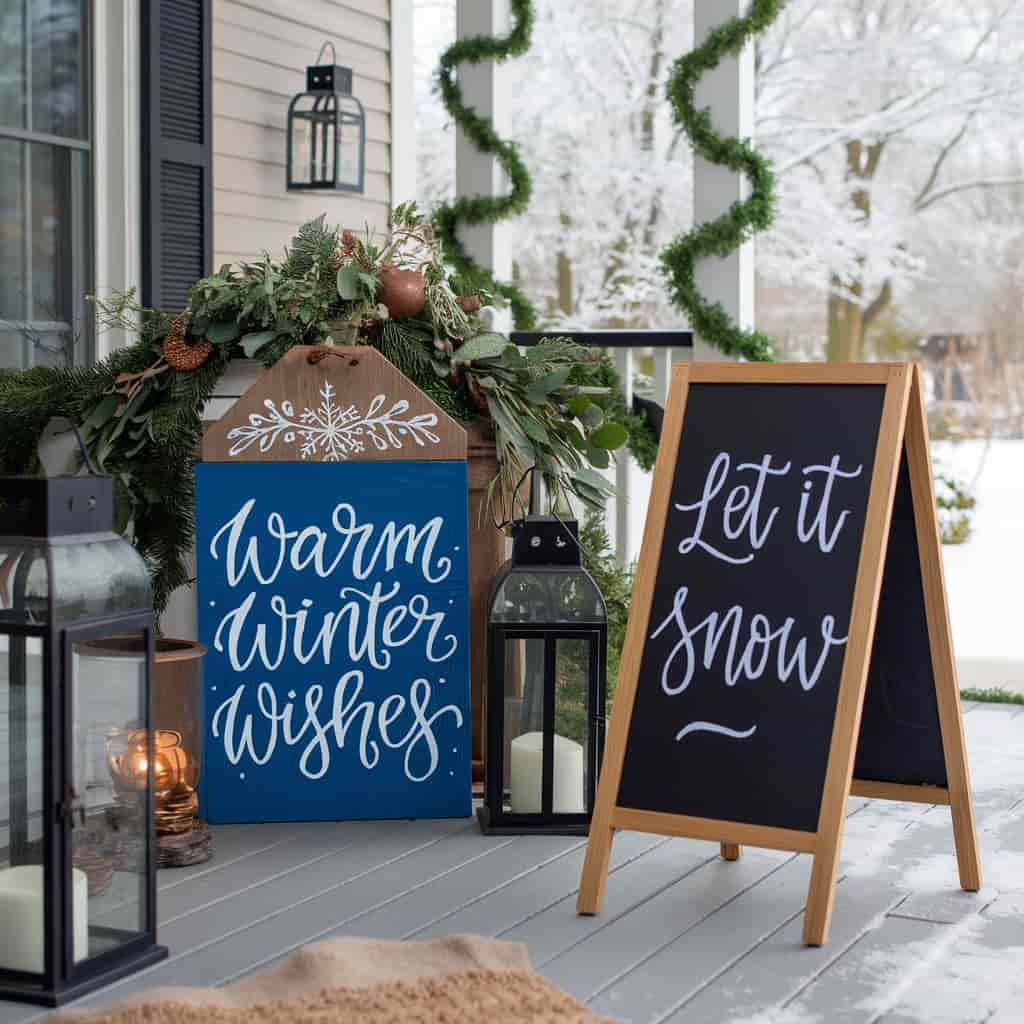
739	730
900	739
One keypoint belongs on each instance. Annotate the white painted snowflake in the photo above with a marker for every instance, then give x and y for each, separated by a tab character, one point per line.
331	432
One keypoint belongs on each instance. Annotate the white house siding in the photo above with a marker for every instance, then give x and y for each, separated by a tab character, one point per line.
261	49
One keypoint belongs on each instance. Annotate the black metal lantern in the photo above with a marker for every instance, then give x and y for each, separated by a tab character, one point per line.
77	870
326	132
546	687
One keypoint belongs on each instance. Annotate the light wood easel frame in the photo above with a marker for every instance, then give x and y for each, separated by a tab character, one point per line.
903	427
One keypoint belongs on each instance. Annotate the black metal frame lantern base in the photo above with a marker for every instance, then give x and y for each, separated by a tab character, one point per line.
126	965
510	827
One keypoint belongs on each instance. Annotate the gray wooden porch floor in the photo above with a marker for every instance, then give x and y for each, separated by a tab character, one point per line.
684	936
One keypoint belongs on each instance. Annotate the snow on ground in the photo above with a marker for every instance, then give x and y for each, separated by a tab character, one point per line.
984	577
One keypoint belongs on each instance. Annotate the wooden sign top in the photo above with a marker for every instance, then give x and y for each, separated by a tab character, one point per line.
334	404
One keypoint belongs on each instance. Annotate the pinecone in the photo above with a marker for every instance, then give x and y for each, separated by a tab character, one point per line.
180	355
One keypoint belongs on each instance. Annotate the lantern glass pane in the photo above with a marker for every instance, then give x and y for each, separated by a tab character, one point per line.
524	724
110	773
350	149
98	577
572	723
558	595
313	127
24	585
22	852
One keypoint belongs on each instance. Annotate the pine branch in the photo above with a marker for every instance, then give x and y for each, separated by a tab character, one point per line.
743	219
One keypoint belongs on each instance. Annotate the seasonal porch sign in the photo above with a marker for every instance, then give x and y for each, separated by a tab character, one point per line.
790	579
333	597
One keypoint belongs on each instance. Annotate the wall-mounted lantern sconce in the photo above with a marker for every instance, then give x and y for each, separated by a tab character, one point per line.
326	132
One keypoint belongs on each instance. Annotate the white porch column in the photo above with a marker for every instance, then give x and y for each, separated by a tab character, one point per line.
485	87
728	92
403	103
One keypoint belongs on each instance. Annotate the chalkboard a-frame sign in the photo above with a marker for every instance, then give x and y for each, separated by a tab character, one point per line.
788	642
332	558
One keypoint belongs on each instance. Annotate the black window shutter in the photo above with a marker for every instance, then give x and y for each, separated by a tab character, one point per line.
177	149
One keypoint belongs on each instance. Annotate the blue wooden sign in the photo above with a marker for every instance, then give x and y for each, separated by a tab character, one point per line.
333	601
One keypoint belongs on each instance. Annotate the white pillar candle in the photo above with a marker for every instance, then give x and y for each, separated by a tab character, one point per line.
21	917
526	776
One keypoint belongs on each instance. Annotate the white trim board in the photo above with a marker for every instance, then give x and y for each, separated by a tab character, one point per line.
117	182
403	103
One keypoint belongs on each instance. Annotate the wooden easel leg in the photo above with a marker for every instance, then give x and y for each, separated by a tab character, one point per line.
731	851
947	690
822	892
852	685
595	869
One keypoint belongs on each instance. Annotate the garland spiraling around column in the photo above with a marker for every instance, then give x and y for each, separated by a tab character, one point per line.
480	130
744	218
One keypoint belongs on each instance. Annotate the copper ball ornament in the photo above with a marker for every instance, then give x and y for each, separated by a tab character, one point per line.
404	292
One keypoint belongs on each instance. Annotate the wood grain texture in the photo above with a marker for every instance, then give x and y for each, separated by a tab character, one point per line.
649	956
792	373
853	682
359	376
940	639
728	833
896	791
488	550
595	866
260	51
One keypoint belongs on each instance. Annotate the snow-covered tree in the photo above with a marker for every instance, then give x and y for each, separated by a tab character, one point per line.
886	120
892	125
612	177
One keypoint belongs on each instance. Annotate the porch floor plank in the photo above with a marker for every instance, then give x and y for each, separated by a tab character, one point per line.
684	937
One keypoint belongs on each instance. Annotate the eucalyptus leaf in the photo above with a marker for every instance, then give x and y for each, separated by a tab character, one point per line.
599	457
104	411
535	430
578	403
223	332
536	394
591	478
575	438
556	379
252	343
348	282
592	416
513	358
610	436
510	426
483	346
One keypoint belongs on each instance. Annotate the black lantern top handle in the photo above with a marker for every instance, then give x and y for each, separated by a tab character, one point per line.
86	454
334	52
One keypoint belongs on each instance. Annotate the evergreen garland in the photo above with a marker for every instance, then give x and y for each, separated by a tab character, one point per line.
139	411
154	482
480	130
744	218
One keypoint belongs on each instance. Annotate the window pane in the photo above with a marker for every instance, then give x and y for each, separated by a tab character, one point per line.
21	805
12	63
58	68
13	304
44	253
